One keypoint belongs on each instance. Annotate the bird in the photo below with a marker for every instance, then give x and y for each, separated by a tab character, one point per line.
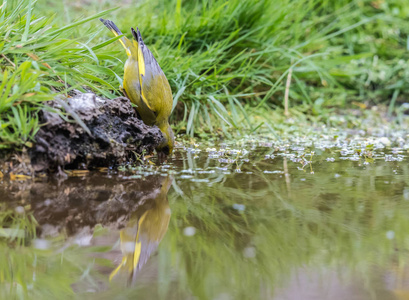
144	231
146	86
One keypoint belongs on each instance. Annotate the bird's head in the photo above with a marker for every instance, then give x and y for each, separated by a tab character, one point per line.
166	146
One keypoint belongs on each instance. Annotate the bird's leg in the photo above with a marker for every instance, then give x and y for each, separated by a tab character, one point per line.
123	92
162	157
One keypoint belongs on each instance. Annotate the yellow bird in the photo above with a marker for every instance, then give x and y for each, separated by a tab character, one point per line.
144	231
146	86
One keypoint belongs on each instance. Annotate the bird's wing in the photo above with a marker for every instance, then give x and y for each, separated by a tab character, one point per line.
152	80
152	230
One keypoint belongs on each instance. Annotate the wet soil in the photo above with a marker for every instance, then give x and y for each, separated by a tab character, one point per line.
91	132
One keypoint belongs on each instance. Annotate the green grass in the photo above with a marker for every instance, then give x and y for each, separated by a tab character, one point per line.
227	61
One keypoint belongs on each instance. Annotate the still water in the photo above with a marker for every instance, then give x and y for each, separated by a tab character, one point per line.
306	218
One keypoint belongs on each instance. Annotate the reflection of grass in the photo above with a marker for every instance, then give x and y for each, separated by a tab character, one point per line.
16	228
329	224
324	221
23	270
30	273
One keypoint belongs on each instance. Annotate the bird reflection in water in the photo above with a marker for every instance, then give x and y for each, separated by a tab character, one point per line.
143	232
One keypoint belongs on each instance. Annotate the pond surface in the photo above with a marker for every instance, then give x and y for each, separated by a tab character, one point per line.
308	218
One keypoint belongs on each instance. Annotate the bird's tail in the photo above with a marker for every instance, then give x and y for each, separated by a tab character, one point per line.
111	26
115	30
131	251
137	35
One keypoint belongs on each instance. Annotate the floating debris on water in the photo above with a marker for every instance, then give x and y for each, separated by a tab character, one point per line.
389	157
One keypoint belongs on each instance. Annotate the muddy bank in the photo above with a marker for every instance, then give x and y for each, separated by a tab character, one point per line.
93	132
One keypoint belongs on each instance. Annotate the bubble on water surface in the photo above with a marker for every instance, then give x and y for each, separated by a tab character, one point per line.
390	234
239	207
83	240
385	141
189	231
41	244
199	180
355	158
223	296
193	151
128	247
207	172
406	193
345	152
394	158
222	168
249	252
19	209
226	160
189	171
273	172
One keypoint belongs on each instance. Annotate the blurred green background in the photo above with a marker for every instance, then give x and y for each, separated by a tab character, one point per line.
227	61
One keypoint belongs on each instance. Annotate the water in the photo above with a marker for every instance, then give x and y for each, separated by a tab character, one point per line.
322	218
